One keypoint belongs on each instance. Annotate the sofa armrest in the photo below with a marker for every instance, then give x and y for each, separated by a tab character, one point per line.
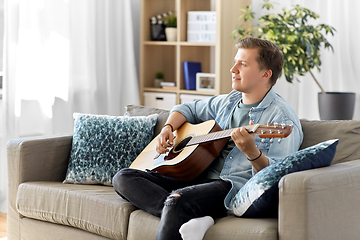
34	159
321	203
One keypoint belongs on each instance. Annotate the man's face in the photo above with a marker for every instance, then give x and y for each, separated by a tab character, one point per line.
246	74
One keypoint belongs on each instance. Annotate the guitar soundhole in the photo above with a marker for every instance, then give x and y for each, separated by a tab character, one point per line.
182	144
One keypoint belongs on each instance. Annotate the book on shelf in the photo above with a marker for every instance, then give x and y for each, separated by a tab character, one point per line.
169	88
190	70
167	84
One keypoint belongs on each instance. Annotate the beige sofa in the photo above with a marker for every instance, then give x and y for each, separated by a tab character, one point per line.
316	204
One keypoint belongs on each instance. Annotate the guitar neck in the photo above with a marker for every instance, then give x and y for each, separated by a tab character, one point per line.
218	135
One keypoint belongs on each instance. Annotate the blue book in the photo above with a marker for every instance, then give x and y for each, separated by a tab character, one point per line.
190	70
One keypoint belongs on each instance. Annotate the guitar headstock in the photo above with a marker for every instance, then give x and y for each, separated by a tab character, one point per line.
270	130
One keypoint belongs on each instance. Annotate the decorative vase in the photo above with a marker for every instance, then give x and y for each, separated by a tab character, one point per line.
336	105
171	34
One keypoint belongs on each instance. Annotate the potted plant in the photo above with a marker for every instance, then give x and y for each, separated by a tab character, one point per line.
300	42
171	27
159	78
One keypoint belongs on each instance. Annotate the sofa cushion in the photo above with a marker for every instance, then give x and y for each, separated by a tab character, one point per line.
103	145
229	228
137	110
93	208
259	196
33	229
347	131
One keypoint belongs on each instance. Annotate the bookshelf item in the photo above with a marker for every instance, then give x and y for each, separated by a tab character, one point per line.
201	26
205	82
157	29
190	71
215	57
160	100
158	26
168	85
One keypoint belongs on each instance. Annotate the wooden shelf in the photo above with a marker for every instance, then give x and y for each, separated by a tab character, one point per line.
215	57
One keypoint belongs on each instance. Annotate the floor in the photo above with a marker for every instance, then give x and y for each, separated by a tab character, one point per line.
2	226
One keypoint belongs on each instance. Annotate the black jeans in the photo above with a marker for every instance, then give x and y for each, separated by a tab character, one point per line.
176	202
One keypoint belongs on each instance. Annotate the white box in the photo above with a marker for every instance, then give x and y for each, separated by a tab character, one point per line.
201	26
160	100
202	16
186	98
201	37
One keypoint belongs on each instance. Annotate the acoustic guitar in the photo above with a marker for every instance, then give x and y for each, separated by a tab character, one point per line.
195	147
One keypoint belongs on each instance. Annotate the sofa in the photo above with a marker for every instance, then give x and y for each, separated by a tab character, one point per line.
322	203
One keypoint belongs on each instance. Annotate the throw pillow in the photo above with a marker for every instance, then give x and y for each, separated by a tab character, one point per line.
259	196
102	145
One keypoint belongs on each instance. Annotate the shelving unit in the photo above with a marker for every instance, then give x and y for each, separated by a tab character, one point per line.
168	57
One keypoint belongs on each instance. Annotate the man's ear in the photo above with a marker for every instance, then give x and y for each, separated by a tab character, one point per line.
267	74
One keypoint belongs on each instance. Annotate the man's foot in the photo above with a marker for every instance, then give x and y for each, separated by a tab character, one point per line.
196	228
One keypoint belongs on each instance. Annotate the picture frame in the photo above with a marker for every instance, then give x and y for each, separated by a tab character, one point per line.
205	82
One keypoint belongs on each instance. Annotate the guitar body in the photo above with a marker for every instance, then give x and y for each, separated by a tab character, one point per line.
183	163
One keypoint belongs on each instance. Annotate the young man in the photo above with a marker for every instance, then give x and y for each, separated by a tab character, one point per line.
257	66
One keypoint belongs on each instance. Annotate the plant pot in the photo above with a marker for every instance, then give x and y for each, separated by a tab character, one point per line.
157	82
171	34
336	105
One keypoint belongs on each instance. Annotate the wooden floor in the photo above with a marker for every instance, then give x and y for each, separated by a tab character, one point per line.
2	225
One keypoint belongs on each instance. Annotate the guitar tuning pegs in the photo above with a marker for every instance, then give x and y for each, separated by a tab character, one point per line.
279	141
263	140
271	140
283	125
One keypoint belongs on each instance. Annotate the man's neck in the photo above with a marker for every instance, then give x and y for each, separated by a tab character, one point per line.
250	98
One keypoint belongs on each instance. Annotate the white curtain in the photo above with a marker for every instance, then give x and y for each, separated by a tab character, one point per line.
339	68
64	56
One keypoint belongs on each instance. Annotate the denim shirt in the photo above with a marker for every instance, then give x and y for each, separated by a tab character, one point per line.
272	109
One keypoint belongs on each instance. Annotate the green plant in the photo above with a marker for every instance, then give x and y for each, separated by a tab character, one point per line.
171	21
159	75
299	40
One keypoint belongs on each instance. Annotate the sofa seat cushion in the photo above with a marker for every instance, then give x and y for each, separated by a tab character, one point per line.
229	228
93	208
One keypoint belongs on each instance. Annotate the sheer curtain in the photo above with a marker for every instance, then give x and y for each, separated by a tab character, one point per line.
64	56
339	68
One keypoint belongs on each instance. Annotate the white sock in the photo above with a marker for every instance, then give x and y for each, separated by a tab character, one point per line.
196	228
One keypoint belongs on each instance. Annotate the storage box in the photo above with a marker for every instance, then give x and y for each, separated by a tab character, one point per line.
201	26
159	100
186	98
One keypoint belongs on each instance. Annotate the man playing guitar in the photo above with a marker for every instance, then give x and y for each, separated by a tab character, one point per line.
257	66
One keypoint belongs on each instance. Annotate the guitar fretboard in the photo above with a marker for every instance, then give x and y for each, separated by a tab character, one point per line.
218	135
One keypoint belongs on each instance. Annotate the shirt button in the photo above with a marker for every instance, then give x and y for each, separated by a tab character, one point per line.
230	158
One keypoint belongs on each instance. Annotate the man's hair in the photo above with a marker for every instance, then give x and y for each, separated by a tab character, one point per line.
269	55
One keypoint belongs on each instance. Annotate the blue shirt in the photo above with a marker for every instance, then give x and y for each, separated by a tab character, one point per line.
273	108
239	118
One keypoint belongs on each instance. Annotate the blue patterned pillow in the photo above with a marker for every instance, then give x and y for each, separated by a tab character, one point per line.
102	145
259	196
